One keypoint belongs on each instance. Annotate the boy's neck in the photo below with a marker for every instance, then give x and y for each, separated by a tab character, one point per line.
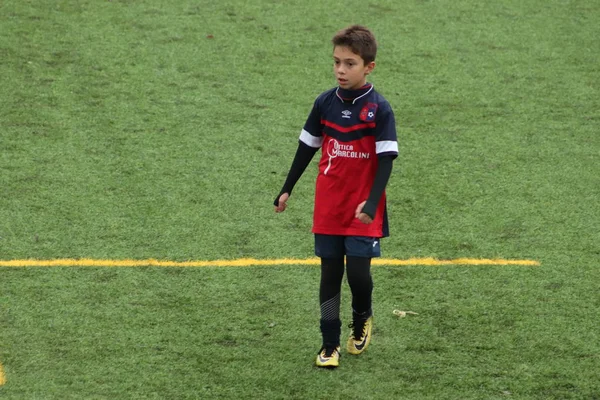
351	94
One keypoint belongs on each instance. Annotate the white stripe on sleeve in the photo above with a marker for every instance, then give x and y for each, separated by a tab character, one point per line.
386	146
310	140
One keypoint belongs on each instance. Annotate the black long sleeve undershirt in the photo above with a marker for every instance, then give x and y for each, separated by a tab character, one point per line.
382	176
304	154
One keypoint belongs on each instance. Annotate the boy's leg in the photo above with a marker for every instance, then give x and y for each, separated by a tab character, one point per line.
361	285
332	272
360	250
331	251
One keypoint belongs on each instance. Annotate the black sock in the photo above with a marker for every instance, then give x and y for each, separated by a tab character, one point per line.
361	285
331	331
332	272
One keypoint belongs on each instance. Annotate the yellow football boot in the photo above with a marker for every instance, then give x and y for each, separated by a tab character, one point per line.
328	358
360	337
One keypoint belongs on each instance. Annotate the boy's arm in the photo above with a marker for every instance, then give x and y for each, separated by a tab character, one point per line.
304	155
310	142
382	176
386	147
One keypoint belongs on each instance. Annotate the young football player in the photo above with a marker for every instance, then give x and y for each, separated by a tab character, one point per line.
354	127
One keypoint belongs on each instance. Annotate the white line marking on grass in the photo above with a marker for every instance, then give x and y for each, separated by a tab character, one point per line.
249	262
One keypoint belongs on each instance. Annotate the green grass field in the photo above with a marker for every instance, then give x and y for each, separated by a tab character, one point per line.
155	129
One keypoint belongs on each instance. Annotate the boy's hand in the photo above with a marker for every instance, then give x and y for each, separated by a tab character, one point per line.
282	203
364	218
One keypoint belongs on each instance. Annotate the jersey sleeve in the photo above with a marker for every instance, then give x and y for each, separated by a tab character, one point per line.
311	134
386	142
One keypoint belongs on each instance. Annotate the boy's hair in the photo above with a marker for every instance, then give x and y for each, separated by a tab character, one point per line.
359	39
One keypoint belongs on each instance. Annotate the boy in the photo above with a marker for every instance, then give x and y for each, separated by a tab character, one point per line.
355	128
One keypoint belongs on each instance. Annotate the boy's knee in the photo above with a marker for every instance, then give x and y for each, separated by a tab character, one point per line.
358	269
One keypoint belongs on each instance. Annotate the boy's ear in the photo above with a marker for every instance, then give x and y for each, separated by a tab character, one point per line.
369	67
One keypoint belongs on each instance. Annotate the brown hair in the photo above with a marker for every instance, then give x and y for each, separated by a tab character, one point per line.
359	39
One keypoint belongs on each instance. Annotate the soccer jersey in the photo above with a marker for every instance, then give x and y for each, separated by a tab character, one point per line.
353	129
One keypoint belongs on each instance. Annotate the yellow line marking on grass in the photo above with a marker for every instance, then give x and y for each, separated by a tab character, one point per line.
248	262
2	377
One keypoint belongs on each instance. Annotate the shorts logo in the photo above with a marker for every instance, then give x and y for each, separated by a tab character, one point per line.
367	114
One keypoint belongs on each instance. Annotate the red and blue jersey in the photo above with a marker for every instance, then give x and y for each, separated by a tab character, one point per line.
353	129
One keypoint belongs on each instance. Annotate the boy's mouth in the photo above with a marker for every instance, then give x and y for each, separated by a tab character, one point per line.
342	81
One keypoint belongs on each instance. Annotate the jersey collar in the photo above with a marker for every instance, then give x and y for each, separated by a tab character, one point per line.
346	95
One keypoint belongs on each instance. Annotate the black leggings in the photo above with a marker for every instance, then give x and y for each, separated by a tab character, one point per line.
359	280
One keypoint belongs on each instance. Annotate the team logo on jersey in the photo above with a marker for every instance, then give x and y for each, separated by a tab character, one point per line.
346	114
367	114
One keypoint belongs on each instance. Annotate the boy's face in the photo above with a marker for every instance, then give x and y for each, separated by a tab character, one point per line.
349	68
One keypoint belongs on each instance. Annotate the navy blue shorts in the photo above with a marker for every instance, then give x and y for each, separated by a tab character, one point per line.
333	246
